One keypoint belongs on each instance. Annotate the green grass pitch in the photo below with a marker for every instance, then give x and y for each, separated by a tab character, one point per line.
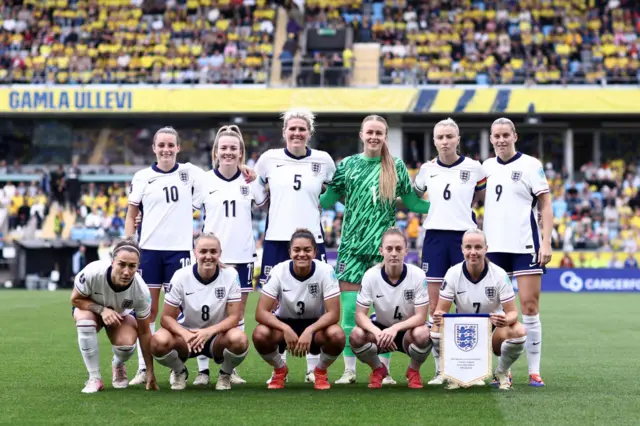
590	363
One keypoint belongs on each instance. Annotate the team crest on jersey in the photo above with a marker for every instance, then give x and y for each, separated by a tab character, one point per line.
267	271
314	290
408	295
466	336
316	168
443	285
127	304
465	175
516	176
167	289
220	292
184	176
425	267
244	190
341	267
490	292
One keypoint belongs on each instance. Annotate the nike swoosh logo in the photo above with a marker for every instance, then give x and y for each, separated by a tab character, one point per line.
189	294
280	165
531	265
379	296
433	175
536	343
286	289
153	180
460	292
99	294
213	192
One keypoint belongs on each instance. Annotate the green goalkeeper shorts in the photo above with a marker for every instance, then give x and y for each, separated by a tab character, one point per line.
351	268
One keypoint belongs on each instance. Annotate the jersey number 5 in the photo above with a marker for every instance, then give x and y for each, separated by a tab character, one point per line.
297	182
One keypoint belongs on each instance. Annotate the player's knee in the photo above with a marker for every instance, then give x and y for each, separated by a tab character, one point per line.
124	339
357	337
261	335
529	307
517	331
160	344
335	336
238	341
421	336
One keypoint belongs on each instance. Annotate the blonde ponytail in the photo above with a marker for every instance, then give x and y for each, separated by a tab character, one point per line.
388	173
233	131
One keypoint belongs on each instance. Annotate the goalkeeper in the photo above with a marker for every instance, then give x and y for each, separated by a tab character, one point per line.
370	183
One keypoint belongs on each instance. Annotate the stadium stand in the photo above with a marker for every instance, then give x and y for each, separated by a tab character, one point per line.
486	42
132	42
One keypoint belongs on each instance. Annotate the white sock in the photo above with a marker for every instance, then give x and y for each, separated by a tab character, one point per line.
534	341
369	355
325	360
141	364
435	338
171	360
88	342
203	363
510	351
283	355
350	363
231	360
121	354
241	325
418	355
386	361
274	359
312	362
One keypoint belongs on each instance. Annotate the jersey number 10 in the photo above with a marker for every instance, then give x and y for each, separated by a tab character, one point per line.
171	193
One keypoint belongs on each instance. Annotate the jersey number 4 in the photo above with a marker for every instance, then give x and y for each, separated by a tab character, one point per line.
397	314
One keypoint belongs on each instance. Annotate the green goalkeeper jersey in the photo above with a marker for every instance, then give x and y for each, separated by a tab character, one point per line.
366	217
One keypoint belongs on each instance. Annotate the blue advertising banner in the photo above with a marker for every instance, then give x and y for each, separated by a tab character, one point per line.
591	280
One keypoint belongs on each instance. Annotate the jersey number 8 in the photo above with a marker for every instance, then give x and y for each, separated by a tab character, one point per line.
205	313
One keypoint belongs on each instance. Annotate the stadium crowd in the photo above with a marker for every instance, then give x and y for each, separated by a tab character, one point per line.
599	212
129	42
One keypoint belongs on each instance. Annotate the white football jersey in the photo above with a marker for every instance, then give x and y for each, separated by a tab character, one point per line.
166	202
510	213
295	184
94	282
301	298
227	213
451	190
203	303
393	303
477	297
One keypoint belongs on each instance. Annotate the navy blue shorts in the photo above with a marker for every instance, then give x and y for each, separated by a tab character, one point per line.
518	263
157	266
440	251
207	351
299	326
274	252
245	273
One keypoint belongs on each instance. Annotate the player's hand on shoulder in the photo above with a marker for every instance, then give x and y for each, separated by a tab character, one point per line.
110	317
249	174
499	319
152	383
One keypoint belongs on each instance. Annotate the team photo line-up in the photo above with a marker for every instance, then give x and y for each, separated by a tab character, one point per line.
306	308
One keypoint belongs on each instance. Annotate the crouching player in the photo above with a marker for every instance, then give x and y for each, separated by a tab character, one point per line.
104	294
398	293
208	295
308	313
477	286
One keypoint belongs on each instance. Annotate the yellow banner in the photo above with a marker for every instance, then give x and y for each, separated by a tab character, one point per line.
195	99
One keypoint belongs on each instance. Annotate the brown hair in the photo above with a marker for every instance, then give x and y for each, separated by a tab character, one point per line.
169	131
306	234
388	174
394	230
233	131
126	244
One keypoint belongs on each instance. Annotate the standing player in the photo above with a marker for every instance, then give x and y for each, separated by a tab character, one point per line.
207	295
295	176
398	293
453	182
517	191
104	294
370	183
164	193
477	286
227	201
308	315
